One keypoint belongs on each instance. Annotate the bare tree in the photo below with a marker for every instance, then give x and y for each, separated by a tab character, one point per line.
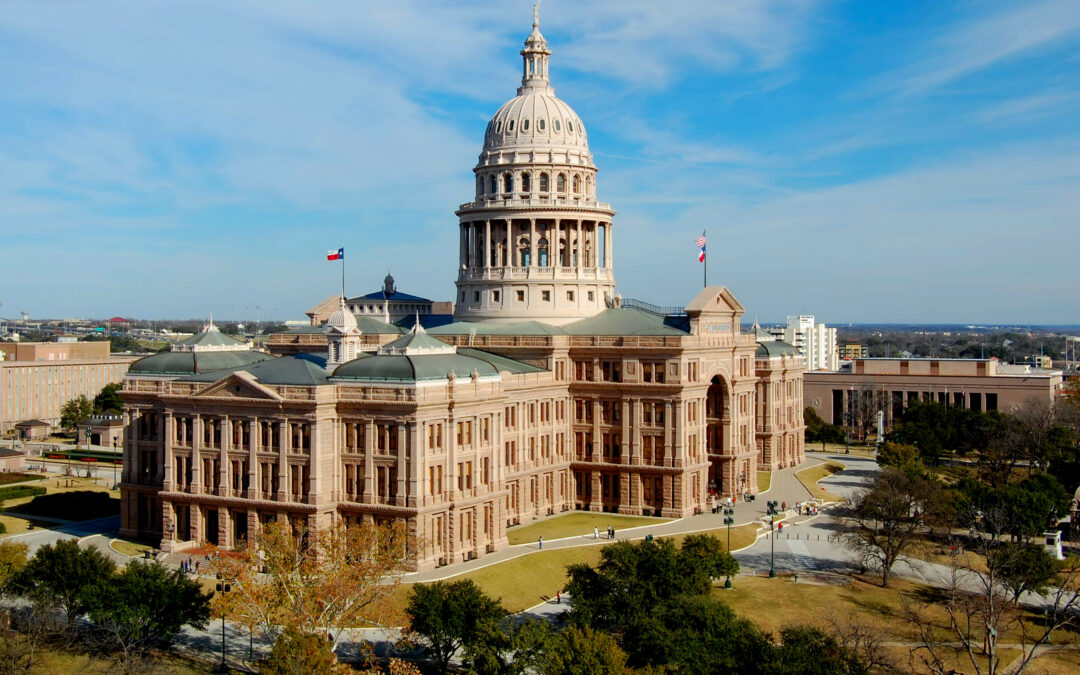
866	404
981	609
883	521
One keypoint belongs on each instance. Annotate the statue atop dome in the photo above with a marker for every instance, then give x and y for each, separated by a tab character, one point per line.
536	14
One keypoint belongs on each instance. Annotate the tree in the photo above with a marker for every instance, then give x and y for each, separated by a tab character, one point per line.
805	650
583	651
899	455
146	603
75	412
820	431
883	520
1023	568
65	574
298	653
108	399
703	558
317	581
451	616
12	563
868	402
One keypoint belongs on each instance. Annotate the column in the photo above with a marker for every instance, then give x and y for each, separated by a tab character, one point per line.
314	457
223	467
597	450
166	452
629	443
415	439
254	441
369	463
487	243
580	249
462	250
284	440
196	457
668	444
399	500
532	242
609	240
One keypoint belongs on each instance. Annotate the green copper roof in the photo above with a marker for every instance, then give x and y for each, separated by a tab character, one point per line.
419	341
501	362
295	369
491	328
628	321
769	349
369	325
189	363
415	368
211	338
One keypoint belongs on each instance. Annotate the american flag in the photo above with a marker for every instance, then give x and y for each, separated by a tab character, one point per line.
701	247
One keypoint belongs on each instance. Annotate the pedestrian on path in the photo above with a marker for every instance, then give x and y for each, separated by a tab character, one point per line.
596	533
541	543
558	597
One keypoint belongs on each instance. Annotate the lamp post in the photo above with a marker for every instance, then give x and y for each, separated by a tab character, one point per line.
771	512
223	587
729	520
115	445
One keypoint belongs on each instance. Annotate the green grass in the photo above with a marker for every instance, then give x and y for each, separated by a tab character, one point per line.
764	481
15	477
810	477
576	523
133	549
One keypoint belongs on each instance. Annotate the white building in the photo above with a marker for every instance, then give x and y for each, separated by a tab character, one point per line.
816	341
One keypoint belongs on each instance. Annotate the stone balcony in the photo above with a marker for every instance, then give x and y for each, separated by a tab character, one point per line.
527	273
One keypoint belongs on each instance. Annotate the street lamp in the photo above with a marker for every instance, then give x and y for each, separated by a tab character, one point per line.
728	521
772	512
223	587
115	444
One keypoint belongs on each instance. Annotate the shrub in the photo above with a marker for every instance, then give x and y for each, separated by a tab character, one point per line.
17	491
80	505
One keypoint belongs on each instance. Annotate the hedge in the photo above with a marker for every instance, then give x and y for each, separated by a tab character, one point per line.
17	491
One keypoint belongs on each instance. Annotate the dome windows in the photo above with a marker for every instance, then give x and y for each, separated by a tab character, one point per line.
570	126
526	182
577	183
560	183
493	184
510	125
545	185
540	124
557	125
524	125
508	183
498	127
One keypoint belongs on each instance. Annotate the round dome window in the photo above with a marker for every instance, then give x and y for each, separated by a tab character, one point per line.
540	125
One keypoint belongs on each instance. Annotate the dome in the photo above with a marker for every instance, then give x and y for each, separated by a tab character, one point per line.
191	362
341	321
404	368
535	118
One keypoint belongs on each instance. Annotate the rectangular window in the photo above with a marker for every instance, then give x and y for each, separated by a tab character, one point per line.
591	295
476	296
495	295
570	296
521	296
545	296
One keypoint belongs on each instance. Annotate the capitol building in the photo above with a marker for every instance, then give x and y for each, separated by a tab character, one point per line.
547	392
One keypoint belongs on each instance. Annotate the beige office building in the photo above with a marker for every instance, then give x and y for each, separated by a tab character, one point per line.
38	378
548	393
978	384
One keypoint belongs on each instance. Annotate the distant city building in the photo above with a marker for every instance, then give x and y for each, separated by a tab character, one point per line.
815	341
851	351
892	384
38	378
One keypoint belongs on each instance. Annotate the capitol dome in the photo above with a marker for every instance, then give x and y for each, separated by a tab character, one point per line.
535	119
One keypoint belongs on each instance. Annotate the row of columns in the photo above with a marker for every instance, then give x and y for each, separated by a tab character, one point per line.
476	245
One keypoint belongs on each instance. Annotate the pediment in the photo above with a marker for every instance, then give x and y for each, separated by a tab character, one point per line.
715	299
241	385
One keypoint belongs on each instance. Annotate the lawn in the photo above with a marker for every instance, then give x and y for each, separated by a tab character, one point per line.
69	505
764	481
810	477
132	549
576	523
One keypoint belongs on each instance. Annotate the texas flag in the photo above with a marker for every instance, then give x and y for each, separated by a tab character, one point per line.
701	248
336	255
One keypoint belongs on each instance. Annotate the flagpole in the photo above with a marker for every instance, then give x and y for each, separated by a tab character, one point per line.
705	269
343	278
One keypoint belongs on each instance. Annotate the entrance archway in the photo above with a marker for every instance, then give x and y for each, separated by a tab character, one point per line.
718	435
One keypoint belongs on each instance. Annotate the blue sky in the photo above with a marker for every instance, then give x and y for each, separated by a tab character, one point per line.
861	161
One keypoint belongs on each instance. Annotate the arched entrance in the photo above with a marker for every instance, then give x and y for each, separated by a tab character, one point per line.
718	435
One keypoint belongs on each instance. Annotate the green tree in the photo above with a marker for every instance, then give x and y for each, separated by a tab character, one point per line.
66	575
75	412
298	653
108	399
147	603
12	563
900	455
820	431
583	651
1023	568
702	558
450	616
805	650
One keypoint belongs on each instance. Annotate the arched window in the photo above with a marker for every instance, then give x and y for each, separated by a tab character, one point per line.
498	127
542	252
508	183
524	125
525	255
526	182
493	184
570	126
577	183
557	125
510	125
540	124
560	182
544	187
588	185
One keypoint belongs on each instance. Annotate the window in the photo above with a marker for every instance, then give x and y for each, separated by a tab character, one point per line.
498	127
544	187
540	124
652	372
545	296
570	296
510	125
521	296
526	182
591	296
577	183
542	252
569	126
560	183
557	125
524	125
493	185
495	295
611	371
508	183
476	296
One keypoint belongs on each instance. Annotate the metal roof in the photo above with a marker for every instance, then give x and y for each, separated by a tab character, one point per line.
629	321
776	348
295	369
189	363
415	368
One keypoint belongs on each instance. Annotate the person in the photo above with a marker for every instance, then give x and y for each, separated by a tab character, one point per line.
612	533
596	533
196	567
783	506
541	543
780	527
558	597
